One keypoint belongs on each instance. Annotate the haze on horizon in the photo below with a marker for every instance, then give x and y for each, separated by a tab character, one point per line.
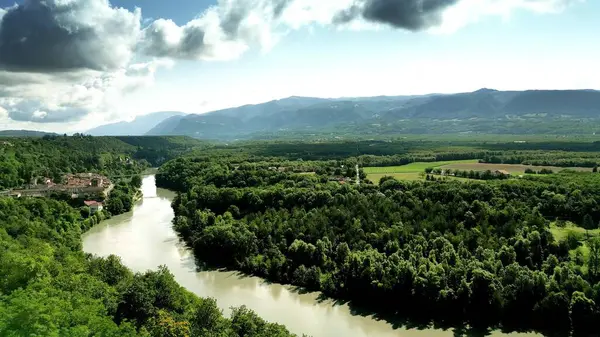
108	61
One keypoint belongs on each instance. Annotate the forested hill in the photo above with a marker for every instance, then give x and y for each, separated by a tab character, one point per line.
21	159
482	111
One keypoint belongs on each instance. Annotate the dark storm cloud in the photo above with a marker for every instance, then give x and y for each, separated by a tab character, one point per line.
232	19
51	35
279	6
412	15
230	23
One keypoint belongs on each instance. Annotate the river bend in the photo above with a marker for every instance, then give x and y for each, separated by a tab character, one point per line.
144	239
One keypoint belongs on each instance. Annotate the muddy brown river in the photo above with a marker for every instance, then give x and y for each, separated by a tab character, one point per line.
144	240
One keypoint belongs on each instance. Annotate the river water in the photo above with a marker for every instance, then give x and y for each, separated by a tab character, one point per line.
144	240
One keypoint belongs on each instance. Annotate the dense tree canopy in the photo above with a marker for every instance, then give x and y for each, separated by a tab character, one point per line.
476	252
22	159
51	288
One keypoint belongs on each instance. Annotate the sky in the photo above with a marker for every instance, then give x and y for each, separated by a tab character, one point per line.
70	65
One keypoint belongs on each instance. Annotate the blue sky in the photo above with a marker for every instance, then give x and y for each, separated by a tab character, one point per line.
507	45
528	51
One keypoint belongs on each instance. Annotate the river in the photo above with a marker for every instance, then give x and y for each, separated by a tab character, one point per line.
144	240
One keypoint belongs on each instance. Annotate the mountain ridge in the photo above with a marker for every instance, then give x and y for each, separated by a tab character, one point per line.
307	114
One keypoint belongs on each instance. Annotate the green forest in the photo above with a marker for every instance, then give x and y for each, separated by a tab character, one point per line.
474	252
50	287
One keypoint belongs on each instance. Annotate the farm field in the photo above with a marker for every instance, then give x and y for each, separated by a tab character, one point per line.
416	167
412	171
512	168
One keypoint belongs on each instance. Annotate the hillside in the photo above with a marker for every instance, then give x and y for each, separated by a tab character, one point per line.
482	111
139	126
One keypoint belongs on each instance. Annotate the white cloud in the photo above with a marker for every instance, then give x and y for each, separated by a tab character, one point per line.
471	11
70	97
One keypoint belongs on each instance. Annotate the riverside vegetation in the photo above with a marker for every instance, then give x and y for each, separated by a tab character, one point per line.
479	253
49	287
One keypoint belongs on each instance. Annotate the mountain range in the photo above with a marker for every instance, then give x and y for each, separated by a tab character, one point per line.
137	127
484	110
481	111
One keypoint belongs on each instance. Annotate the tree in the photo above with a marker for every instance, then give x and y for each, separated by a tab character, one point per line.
206	317
115	206
583	314
594	258
553	312
573	240
136	181
588	222
165	326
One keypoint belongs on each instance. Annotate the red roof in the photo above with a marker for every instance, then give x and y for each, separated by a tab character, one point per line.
92	203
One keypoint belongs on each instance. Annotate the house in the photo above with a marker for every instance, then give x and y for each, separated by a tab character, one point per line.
94	206
502	172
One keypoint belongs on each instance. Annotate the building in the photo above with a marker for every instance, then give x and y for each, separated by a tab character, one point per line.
502	172
95	206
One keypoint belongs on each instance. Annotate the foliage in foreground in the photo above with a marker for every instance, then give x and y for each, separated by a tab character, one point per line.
49	287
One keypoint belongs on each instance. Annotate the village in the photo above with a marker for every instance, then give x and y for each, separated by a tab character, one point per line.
76	185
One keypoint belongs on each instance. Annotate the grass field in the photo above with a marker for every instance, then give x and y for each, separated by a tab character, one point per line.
375	177
415	167
561	233
512	168
412	171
